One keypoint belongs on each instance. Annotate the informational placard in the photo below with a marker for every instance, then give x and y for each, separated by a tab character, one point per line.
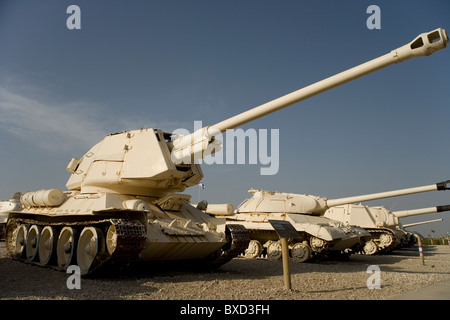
284	229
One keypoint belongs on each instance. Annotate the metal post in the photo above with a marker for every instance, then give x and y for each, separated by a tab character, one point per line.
285	230
286	270
419	240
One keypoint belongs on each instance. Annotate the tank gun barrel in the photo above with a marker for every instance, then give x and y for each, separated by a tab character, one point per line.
424	44
445	185
420	223
416	212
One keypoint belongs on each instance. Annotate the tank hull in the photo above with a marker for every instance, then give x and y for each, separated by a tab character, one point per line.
124	229
319	235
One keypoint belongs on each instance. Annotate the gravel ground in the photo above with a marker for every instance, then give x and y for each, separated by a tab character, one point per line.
240	279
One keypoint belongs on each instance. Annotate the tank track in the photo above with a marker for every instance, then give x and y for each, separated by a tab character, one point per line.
239	238
2	231
131	240
376	235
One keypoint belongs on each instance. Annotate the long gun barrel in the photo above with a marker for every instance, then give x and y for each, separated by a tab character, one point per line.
445	185
420	223
408	213
197	143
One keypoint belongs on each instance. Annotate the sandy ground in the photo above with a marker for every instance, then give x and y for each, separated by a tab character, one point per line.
240	279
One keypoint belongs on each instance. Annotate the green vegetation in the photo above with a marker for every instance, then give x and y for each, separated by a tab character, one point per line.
435	241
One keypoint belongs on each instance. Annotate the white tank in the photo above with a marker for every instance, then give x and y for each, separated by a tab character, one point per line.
123	201
325	225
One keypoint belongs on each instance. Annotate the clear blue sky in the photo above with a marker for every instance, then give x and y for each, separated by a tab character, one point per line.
165	64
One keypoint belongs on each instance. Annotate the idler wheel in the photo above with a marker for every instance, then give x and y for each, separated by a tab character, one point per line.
254	249
20	242
65	248
47	244
90	244
32	242
301	252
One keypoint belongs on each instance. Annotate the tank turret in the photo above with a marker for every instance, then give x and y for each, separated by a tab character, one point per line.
123	202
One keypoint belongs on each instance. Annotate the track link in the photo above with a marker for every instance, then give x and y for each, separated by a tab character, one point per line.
239	238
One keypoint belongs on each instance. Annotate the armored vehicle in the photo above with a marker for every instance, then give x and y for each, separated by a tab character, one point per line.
5	207
326	225
320	236
384	225
379	221
123	201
